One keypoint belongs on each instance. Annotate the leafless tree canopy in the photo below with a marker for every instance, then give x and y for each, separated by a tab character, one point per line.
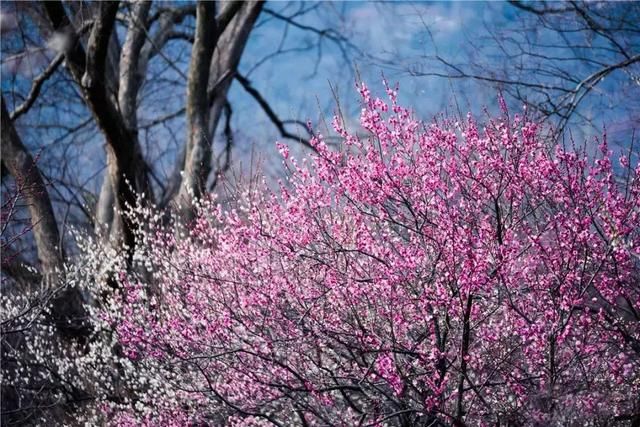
149	79
557	58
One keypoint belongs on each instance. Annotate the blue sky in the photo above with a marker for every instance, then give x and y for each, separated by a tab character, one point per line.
395	38
383	32
395	41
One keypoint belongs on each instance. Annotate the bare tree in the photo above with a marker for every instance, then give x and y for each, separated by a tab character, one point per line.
568	62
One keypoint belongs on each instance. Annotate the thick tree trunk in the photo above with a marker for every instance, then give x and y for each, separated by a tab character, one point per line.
88	70
108	222
45	229
198	147
67	306
213	70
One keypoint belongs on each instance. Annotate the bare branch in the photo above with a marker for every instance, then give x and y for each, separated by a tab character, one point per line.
545	10
130	74
36	86
586	85
279	124
98	44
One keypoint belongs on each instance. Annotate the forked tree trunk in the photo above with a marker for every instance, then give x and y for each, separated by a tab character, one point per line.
88	69
228	34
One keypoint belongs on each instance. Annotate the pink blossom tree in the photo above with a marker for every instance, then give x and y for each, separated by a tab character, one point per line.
428	274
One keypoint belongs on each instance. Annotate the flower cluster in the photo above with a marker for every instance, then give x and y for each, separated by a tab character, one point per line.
426	273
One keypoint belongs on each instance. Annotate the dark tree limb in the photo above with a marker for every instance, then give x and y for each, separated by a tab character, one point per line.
36	86
131	76
278	123
539	11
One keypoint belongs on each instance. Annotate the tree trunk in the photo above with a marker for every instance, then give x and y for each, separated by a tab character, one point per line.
88	70
45	229
198	147
213	70
108	222
67	306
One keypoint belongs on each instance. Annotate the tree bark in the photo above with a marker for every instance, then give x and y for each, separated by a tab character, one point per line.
215	56
226	59
198	146
67	307
131	76
88	70
45	229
